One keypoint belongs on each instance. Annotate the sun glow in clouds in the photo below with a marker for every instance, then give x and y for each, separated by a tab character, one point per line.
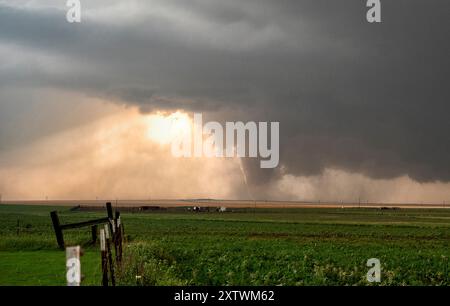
163	129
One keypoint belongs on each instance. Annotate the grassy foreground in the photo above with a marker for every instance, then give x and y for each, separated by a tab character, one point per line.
254	247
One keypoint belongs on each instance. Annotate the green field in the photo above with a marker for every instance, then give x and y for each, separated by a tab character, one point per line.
254	247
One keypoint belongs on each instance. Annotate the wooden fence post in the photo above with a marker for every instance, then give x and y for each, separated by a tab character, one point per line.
119	230
94	233
57	228
110	260
109	210
113	235
118	238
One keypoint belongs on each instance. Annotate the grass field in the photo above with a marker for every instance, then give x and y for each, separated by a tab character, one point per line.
306	246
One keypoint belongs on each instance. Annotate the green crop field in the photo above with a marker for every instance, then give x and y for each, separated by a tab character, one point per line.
244	247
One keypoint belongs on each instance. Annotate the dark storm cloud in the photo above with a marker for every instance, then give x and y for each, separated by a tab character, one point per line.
367	98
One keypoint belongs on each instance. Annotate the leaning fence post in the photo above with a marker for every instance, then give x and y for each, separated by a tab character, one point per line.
58	230
114	235
119	235
94	233
104	258
109	210
110	260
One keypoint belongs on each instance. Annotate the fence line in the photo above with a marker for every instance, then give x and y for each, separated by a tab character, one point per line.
112	232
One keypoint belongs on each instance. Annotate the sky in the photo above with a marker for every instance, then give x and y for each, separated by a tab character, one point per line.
363	108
